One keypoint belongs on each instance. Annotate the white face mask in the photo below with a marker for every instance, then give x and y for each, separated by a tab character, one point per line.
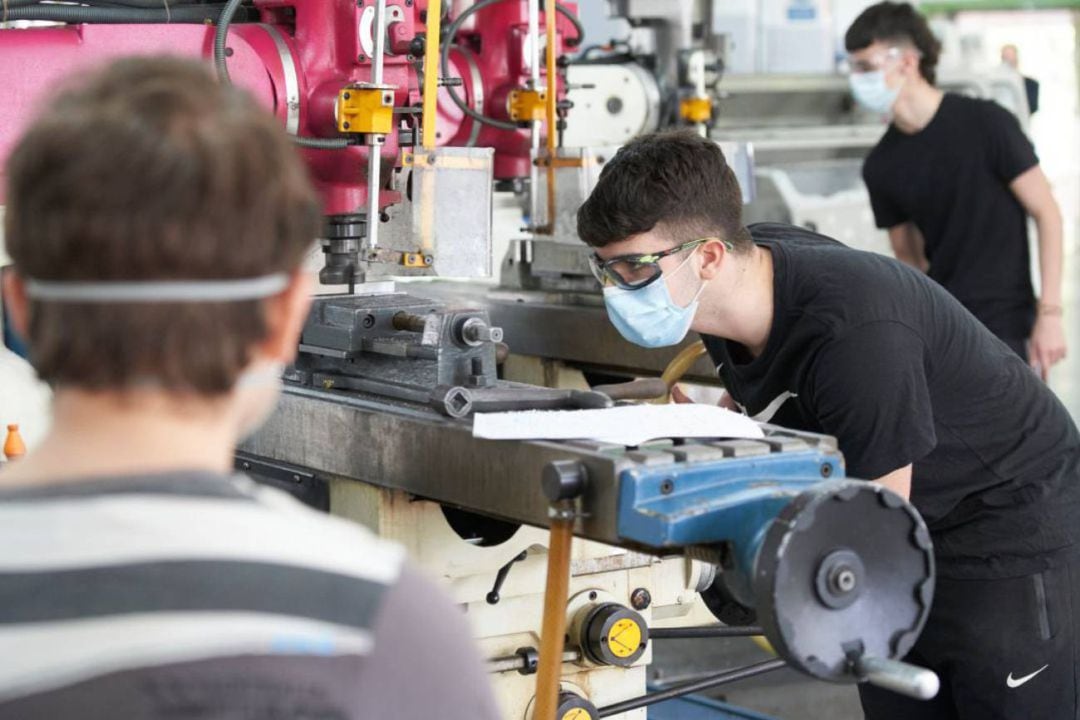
257	390
649	317
871	92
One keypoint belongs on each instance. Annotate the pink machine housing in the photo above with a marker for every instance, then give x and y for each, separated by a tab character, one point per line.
294	61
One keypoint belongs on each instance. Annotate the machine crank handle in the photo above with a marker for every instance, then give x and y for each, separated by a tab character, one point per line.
493	597
509	399
458	402
900	677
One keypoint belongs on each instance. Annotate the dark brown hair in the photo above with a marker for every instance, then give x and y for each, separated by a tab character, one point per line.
896	22
677	183
151	170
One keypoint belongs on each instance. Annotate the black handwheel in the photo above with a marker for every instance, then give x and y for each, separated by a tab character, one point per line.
845	570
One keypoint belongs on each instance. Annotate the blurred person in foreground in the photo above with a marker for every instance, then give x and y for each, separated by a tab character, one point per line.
157	226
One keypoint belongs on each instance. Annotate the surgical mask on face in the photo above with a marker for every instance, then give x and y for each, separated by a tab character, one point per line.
871	92
649	317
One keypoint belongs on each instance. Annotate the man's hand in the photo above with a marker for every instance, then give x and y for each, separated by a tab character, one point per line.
1047	342
726	401
1047	346
678	396
899	481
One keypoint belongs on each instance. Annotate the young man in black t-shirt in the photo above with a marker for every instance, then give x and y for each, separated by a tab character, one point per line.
954	180
922	398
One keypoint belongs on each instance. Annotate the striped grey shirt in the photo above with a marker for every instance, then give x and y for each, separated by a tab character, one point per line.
192	595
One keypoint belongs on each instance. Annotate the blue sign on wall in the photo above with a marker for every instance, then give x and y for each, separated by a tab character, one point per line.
802	10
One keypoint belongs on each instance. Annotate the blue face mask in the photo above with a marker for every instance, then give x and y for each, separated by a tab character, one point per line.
871	92
649	317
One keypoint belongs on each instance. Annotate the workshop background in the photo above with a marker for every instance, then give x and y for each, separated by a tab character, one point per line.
781	90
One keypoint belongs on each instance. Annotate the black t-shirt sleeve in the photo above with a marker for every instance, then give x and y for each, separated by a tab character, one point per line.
887	213
869	389
1010	151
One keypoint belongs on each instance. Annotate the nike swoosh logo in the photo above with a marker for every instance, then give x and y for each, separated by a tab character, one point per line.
1017	682
767	414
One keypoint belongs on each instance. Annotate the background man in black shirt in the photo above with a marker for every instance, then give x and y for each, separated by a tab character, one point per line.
1010	56
953	180
810	334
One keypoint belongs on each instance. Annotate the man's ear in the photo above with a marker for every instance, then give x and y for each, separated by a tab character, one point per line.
14	299
713	254
285	316
909	64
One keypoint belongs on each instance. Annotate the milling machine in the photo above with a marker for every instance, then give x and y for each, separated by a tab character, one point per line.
375	423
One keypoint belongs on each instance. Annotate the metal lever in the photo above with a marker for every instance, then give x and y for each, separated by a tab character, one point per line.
493	597
900	677
457	402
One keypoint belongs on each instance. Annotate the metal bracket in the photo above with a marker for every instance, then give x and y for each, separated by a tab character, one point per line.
303	484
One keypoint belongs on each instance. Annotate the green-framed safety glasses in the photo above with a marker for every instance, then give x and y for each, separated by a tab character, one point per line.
638	270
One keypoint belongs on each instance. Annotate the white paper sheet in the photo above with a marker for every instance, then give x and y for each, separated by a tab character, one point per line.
626	425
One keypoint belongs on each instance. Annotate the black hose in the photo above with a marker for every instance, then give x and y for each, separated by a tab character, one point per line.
77	14
576	22
707	683
470	58
444	58
151	4
616	53
145	4
317	143
706	631
444	63
221	35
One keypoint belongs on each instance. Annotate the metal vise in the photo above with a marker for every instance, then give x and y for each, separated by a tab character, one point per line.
397	346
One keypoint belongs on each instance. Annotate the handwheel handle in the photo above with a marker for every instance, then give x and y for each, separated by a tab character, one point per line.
900	677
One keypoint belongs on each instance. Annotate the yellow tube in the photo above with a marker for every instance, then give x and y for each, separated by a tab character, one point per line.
431	73
679	366
550	23
553	630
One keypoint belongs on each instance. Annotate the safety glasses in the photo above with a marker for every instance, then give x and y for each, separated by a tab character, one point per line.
874	62
633	272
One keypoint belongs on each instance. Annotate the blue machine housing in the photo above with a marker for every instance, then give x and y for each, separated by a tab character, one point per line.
733	500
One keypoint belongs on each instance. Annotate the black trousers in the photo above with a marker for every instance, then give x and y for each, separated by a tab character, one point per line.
1004	649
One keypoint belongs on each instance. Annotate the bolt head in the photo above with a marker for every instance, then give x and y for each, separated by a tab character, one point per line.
640	599
844	580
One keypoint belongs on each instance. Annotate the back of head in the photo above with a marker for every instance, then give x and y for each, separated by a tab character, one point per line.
151	170
899	24
677	183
